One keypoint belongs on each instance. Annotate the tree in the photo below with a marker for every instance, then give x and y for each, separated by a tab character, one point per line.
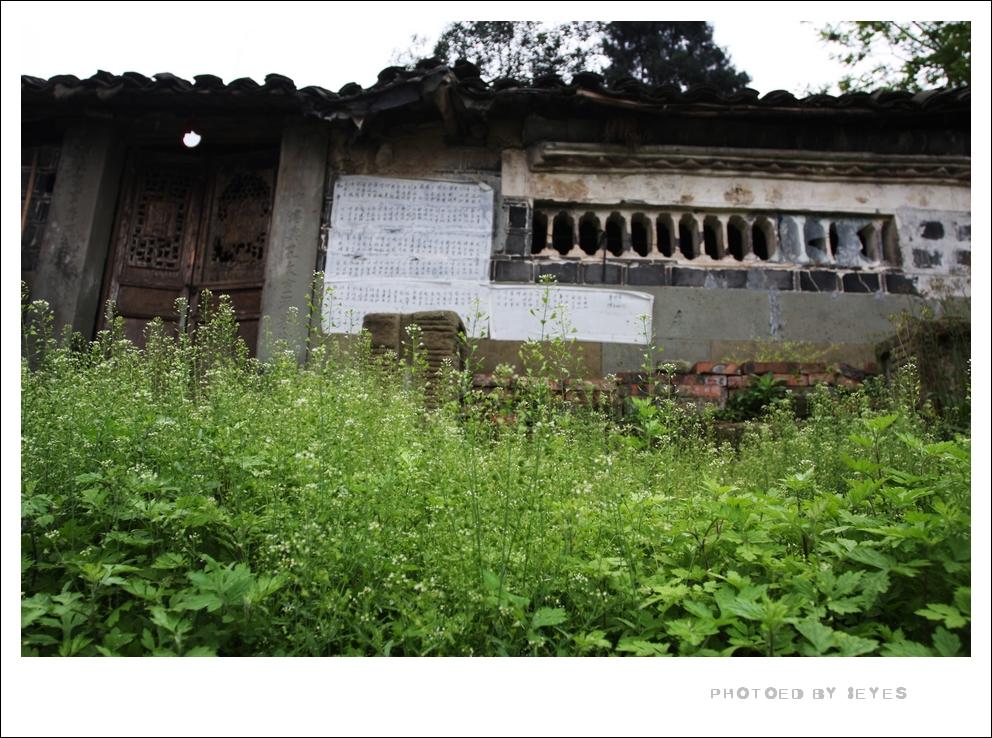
655	52
519	49
910	55
669	52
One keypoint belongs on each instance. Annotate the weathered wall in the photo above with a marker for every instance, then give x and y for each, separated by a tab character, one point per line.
701	324
708	309
713	190
421	154
936	249
74	249
705	309
293	235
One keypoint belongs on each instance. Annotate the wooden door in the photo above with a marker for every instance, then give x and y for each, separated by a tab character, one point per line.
189	223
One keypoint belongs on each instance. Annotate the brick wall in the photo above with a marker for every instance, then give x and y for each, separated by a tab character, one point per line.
706	381
715	382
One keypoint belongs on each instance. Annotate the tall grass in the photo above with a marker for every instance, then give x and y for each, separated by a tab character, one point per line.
186	499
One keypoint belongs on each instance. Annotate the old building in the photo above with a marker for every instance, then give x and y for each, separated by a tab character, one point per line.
736	220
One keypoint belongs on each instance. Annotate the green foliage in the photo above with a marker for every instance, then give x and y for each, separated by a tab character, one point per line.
937	350
771	349
906	55
518	49
680	53
186	500
749	403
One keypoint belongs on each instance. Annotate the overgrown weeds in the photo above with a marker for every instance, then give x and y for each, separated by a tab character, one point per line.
185	499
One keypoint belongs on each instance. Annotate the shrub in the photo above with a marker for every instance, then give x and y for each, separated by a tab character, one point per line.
185	499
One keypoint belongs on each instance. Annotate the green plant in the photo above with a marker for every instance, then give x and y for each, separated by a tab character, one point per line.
770	350
749	403
182	499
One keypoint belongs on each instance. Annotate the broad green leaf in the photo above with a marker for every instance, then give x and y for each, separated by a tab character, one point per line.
845	583
141	588
169	621
820	635
962	599
851	645
692	632
169	561
871	557
592	640
88	478
746	609
642	648
946	643
698	609
188	600
881	423
74	645
905	648
948	614
845	605
114	641
30	612
547	616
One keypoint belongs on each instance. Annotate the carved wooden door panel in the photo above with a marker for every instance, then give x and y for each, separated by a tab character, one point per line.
188	223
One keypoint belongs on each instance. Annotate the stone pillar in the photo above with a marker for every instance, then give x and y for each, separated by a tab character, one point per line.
73	252
294	236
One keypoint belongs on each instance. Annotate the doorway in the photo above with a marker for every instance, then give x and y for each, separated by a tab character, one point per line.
188	223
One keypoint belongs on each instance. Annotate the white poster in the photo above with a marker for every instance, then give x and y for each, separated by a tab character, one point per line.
347	302
520	313
404	245
384	228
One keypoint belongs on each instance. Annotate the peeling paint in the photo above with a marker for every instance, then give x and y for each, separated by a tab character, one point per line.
774	314
739	195
562	189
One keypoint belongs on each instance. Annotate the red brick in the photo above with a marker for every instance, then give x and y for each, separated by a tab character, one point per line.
822	378
713	367
701	390
717	379
792	380
738	381
812	367
775	367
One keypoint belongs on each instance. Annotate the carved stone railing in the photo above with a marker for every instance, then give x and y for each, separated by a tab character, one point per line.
723	238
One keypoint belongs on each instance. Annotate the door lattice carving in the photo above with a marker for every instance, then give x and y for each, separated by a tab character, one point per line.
239	225
160	215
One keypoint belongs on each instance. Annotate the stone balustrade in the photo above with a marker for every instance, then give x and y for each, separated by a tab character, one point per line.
718	238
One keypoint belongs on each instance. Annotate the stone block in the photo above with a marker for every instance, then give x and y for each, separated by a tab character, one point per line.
647	275
819	280
563	272
513	271
602	273
861	282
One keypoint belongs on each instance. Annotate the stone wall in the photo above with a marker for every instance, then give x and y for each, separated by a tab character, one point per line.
736	260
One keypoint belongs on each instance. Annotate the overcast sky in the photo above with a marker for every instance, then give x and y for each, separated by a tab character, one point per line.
329	44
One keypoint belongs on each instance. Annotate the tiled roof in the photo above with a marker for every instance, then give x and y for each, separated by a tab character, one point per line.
280	92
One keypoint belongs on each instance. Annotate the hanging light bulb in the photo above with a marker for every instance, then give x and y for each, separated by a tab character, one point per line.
191	139
192	134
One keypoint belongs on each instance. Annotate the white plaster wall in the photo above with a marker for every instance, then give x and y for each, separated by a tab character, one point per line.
712	191
944	269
